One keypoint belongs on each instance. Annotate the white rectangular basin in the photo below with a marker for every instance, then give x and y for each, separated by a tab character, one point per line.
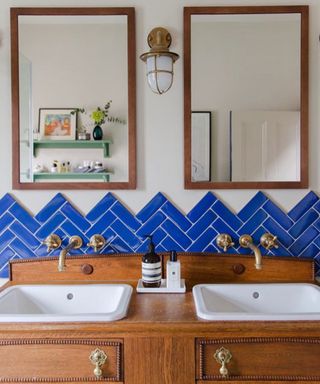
61	303
287	301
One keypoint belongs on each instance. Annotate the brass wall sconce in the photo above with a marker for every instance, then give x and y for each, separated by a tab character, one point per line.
159	60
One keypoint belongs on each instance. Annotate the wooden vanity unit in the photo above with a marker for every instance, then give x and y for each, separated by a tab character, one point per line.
161	341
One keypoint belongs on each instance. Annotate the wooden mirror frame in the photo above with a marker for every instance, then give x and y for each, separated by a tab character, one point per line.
304	103
130	13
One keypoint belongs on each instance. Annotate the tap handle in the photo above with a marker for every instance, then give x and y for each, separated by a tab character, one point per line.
52	242
269	241
224	241
96	242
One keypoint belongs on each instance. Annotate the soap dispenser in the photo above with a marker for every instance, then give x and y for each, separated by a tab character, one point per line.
151	267
173	271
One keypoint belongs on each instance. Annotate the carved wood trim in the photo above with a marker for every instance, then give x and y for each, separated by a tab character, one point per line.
257	340
94	342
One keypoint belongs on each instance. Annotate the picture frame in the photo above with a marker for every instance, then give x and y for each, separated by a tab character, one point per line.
201	146
57	123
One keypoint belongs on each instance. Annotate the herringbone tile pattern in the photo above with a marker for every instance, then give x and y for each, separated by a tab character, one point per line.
21	234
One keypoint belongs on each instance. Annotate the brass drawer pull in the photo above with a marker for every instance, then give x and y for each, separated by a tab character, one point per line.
223	356
98	358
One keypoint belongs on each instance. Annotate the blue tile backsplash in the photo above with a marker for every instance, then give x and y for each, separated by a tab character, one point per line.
21	234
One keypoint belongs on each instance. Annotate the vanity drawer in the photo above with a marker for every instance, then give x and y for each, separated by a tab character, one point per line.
58	360
260	359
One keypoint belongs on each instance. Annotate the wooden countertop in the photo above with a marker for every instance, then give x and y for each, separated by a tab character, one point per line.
166	313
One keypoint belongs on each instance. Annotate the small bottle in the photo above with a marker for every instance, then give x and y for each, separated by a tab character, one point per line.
151	267
173	271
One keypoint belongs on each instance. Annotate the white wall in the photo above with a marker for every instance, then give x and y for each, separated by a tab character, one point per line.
159	118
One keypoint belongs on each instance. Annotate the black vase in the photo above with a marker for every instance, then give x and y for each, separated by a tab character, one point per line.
97	133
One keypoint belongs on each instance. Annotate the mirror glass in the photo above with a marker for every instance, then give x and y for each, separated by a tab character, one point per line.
68	63
245	97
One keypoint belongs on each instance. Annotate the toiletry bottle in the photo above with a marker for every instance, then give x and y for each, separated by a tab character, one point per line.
173	271
151	268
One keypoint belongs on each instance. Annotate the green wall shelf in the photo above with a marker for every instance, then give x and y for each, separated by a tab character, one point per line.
104	176
104	144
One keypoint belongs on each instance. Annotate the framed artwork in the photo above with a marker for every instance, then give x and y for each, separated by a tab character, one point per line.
201	146
57	123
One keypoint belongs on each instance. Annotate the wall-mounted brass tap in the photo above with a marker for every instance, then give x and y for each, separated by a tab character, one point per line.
75	242
224	241
53	241
96	242
246	241
269	241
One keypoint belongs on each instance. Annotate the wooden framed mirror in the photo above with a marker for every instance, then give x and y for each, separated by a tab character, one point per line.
246	68
64	60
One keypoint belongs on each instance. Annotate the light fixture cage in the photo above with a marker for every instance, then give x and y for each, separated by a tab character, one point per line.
159	60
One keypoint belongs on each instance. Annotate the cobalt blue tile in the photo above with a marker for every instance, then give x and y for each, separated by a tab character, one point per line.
176	216
42	251
151	225
254	204
221	227
316	224
278	231
169	244
75	216
202	224
303	223
102	224
303	241
226	215
317	206
245	251
176	234
50	226
6	202
256	235
303	206
4	272
126	235
108	250
200	208
311	252
143	248
48	210
109	235
24	235
60	233
280	251
21	249
101	208
152	207
71	230
24	217
125	216
203	241
5	239
160	249
253	223
6	255
316	241
277	214
119	246
5	220
158	235
211	249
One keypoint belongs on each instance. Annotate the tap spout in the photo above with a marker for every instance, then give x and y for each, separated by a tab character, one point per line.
246	242
75	242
